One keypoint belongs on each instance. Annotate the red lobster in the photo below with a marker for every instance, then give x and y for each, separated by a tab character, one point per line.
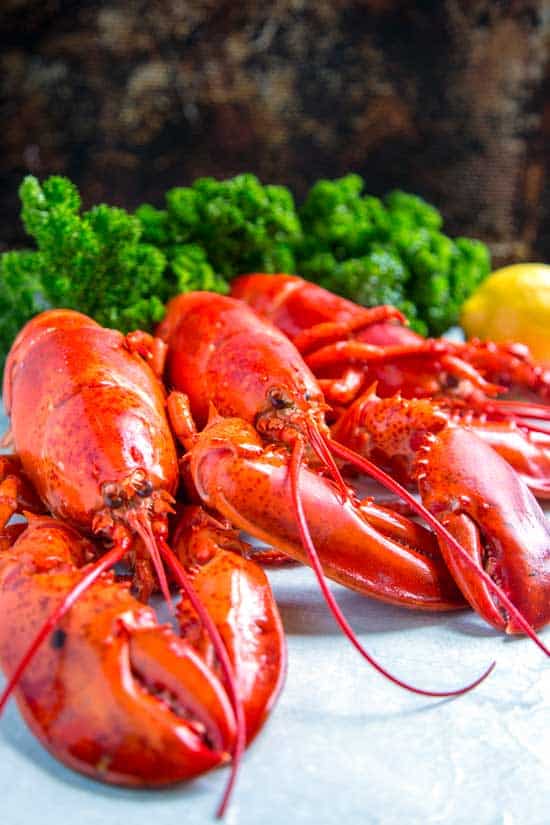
221	354
472	491
315	318
349	347
89	426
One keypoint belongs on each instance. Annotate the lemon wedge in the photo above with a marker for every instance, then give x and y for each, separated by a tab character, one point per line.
512	304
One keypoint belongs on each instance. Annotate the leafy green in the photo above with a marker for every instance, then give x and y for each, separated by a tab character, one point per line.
122	268
389	251
21	295
94	261
241	225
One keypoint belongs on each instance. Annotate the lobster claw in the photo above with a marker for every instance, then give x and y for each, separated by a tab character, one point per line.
176	695
495	517
241	480
113	694
241	604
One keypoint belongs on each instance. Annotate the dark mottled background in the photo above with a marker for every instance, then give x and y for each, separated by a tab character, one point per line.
448	99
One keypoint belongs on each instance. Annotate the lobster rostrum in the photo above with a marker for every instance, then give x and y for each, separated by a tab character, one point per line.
89	426
348	347
472	491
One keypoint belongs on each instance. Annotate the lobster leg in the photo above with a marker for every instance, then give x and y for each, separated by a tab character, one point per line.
509	364
16	491
114	695
329	332
355	353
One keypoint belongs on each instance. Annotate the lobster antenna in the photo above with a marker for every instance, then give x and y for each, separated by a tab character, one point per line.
517	409
105	563
387	481
322	451
295	467
223	657
142	527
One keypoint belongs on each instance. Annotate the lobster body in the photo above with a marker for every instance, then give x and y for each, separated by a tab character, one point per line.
349	347
313	317
85	411
89	425
221	353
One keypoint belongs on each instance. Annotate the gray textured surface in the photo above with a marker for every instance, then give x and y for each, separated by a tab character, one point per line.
343	744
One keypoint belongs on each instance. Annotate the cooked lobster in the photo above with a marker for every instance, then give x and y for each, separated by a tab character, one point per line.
349	347
472	491
332	327
223	355
92	439
114	694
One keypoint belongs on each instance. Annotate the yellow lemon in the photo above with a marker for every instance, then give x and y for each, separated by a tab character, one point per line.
512	304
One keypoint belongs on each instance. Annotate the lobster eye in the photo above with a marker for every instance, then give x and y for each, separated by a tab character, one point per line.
144	489
113	496
114	500
278	399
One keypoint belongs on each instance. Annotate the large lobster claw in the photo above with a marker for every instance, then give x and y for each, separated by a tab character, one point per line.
112	693
247	482
492	513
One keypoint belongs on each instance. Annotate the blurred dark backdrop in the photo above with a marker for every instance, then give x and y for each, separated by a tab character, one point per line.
448	99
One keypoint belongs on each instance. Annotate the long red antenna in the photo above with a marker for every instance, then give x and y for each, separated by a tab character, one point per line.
319	445
387	481
142	526
294	470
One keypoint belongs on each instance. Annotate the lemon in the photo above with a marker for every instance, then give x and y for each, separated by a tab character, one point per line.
512	304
